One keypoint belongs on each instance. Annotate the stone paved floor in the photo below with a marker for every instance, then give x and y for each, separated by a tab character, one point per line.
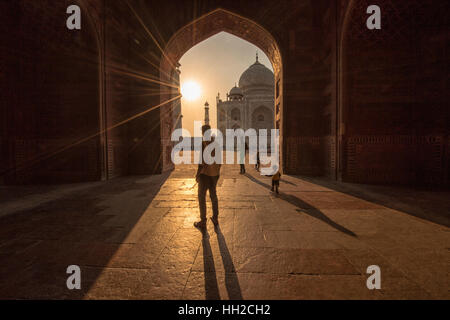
133	239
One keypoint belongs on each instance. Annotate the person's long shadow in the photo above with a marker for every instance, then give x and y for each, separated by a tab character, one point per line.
231	280
304	207
288	182
209	270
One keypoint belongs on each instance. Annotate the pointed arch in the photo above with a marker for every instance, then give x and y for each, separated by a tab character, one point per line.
206	26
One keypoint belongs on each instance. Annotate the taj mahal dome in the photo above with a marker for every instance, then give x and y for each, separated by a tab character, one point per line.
251	104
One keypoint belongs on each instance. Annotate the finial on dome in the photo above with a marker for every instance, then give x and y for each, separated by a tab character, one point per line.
256	56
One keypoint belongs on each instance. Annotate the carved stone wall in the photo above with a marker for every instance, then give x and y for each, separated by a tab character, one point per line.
367	106
395	94
366	159
50	95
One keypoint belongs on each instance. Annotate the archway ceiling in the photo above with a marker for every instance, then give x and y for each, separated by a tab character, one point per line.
217	21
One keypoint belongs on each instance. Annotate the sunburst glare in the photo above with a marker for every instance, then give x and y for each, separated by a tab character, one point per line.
191	90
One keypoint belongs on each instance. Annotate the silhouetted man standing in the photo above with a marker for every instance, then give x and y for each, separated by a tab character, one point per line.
207	178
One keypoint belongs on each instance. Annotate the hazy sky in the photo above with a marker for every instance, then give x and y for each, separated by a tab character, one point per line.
216	65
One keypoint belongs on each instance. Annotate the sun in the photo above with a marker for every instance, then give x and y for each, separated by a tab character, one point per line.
191	90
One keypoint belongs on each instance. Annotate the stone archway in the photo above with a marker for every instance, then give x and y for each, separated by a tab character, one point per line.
58	97
204	27
235	114
262	117
95	25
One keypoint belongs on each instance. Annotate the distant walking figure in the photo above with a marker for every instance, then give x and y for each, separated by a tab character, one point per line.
207	177
276	179
258	162
242	160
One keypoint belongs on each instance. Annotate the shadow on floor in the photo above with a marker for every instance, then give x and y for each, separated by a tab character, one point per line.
209	270
433	206
288	182
304	207
37	245
231	279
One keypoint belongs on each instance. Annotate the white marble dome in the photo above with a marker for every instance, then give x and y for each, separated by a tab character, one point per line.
236	91
256	75
251	104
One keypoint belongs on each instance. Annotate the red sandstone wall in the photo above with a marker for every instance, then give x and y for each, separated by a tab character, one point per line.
395	94
50	96
384	92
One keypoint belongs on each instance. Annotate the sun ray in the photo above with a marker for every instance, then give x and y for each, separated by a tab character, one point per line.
151	35
191	90
45	156
137	76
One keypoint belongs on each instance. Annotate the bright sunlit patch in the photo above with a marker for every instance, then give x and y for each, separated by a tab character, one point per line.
191	90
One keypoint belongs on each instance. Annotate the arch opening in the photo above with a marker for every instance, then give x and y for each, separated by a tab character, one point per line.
201	29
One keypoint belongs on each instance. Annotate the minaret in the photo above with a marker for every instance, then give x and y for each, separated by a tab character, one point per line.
207	113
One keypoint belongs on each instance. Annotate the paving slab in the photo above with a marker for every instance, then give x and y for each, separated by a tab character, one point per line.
133	238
